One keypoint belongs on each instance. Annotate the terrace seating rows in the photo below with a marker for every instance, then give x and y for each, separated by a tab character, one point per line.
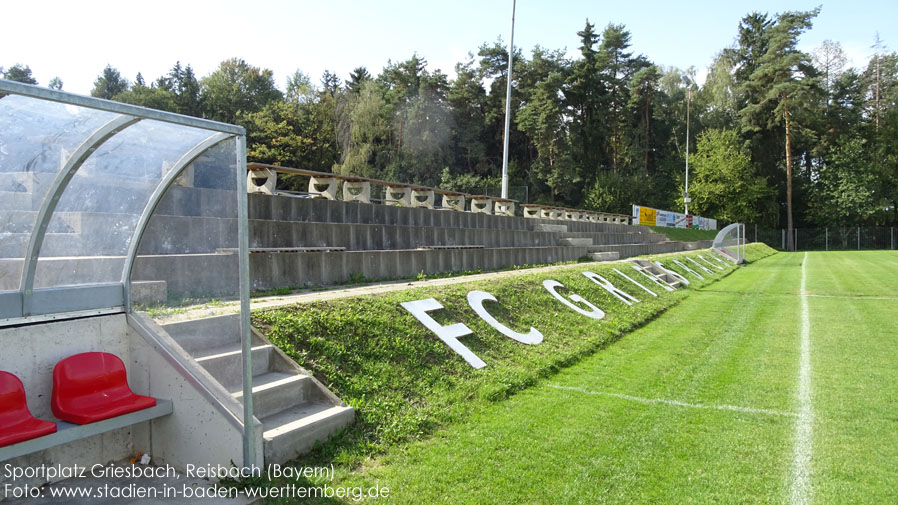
383	242
262	178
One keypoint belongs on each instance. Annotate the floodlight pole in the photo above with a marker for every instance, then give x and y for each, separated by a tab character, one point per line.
686	198
508	106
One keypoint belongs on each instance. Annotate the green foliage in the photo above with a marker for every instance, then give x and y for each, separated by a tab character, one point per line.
467	183
618	193
723	185
603	129
290	134
237	87
109	84
843	195
154	98
364	127
19	73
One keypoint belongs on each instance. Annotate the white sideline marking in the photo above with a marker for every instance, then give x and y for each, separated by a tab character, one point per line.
804	442
857	297
677	403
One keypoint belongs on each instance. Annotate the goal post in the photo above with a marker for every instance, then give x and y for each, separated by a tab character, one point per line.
730	243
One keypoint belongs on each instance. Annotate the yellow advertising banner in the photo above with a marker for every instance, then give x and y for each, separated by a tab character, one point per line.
648	216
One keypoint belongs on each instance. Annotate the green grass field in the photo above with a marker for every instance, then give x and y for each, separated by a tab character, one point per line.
684	234
712	402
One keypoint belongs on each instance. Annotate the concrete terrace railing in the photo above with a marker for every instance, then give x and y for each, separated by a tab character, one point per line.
262	178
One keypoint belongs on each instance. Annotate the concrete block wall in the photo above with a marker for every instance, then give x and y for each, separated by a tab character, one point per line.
285	208
272	270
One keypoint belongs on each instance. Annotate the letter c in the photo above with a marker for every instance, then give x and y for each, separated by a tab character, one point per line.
475	300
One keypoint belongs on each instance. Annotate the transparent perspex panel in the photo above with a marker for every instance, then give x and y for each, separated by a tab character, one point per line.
187	258
36	139
729	241
104	200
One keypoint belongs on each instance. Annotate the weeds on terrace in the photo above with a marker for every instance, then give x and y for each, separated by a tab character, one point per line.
177	305
274	292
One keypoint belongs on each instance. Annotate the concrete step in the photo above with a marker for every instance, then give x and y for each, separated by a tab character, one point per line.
149	292
226	363
16	200
275	392
605	256
23	221
198	336
13	245
555	228
294	431
273	270
20	182
629	250
374	237
580	242
618	238
284	208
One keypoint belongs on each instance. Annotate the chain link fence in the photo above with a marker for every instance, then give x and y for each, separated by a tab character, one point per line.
840	238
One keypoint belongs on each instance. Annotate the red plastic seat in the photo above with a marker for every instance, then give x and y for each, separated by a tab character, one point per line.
93	386
16	422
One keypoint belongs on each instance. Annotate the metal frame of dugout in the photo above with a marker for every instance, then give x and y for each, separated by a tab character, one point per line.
50	141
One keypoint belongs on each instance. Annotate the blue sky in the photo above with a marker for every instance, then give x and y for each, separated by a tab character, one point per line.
76	39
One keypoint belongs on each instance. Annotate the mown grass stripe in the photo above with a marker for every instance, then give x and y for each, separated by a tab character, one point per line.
676	403
804	443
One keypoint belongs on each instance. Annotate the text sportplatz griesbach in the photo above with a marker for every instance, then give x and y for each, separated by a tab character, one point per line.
52	473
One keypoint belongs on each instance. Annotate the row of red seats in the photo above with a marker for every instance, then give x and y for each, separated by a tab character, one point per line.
87	388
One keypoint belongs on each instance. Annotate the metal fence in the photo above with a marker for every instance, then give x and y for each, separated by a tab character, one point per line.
841	238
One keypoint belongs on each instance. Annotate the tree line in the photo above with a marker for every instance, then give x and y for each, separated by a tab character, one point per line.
777	136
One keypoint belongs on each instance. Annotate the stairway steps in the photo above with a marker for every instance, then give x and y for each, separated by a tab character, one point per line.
577	242
605	256
295	430
226	363
274	392
200	336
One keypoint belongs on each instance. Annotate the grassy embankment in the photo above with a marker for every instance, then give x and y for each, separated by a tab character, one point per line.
684	234
405	383
702	405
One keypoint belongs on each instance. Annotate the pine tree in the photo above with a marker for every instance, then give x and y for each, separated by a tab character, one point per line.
19	73
786	80
109	83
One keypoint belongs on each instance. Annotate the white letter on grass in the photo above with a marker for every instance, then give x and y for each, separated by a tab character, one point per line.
684	267
625	276
671	272
448	334
475	300
703	267
607	286
596	312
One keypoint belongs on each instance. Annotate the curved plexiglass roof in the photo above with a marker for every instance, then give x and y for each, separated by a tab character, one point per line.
65	156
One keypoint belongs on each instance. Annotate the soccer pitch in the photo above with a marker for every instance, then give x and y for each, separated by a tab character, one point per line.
777	384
